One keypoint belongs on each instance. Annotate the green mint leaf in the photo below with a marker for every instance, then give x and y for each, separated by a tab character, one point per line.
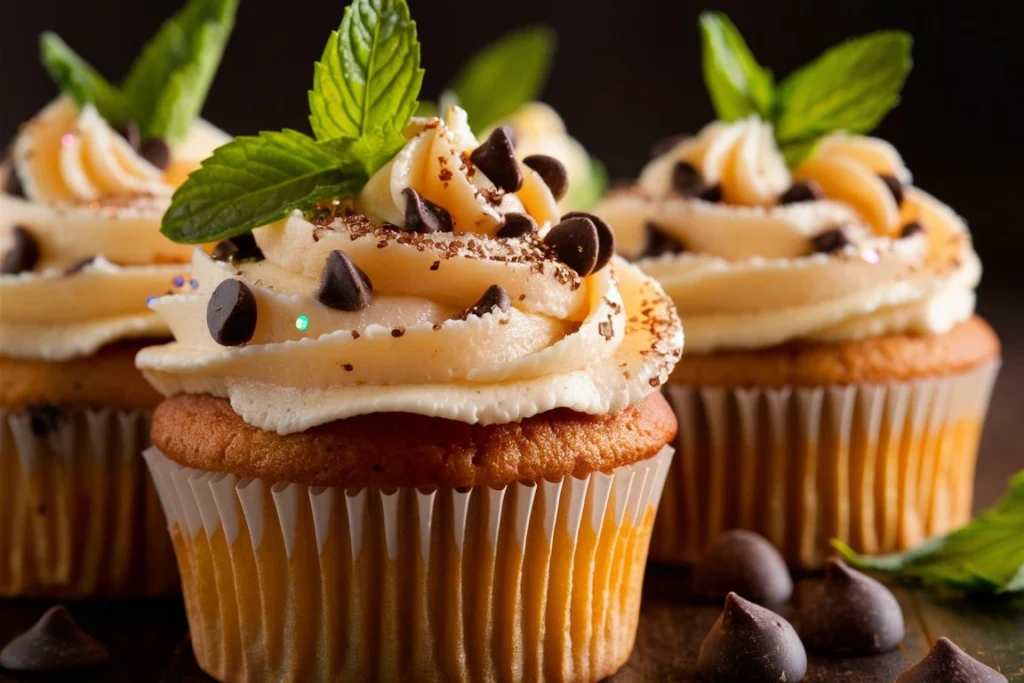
75	77
505	75
797	150
426	109
985	556
851	87
738	85
366	83
171	77
255	180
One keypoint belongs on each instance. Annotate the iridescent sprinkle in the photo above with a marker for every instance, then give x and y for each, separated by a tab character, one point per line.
302	323
67	139
151	300
178	281
194	284
870	256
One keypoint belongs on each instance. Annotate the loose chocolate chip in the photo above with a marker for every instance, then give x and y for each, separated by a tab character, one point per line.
237	249
517	225
805	191
343	286
44	418
130	132
424	216
552	172
745	563
749	644
156	152
947	663
659	241
79	266
494	297
605	237
712	194
23	254
912	228
54	643
496	157
829	241
666	144
231	313
575	243
894	185
850	614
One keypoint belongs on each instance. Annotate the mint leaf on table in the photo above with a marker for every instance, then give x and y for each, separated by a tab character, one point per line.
366	84
505	75
738	85
985	556
85	85
255	180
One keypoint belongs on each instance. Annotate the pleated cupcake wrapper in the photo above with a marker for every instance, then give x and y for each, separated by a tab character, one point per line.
880	466
78	514
288	582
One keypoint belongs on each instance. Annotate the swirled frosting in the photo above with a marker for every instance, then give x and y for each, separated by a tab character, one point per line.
749	268
88	194
592	343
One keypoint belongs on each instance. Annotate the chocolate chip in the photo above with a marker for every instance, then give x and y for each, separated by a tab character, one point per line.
494	297
54	643
666	144
947	663
424	216
745	563
575	243
894	185
231	313
850	614
238	249
605	237
79	266
156	152
712	194
830	241
496	157
343	286
552	172
912	228
513	135
517	225
749	644
804	191
130	132
686	179
44	418
659	241
23	254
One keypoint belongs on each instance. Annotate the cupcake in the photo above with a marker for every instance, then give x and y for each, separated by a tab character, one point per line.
413	429
837	377
85	185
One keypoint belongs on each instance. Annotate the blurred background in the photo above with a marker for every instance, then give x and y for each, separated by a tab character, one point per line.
626	74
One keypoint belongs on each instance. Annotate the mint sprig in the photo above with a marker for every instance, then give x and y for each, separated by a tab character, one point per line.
738	85
985	556
169	81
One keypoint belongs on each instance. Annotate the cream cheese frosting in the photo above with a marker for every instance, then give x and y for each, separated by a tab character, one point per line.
92	205
593	343
744	272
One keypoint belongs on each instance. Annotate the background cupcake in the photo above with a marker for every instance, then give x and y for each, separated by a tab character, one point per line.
86	183
836	379
414	432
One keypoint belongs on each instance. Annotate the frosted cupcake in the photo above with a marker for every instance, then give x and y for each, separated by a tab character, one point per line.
85	186
837	378
413	429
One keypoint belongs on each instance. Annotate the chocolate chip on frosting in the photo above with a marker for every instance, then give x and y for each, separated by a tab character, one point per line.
831	240
496	157
910	229
54	643
605	237
750	644
894	185
494	297
575	243
947	663
517	225
659	241
424	216
23	254
850	614
552	172
237	249
231	313
803	191
745	563
130	132
80	265
343	285
156	152
711	194
686	179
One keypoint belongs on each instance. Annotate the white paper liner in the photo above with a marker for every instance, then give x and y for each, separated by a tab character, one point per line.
880	466
78	515
526	582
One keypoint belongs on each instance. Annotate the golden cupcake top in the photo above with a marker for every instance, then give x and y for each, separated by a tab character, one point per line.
783	220
395	263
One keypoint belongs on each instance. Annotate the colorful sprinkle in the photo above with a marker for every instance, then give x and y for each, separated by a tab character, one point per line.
302	323
178	281
870	256
151	300
194	284
67	139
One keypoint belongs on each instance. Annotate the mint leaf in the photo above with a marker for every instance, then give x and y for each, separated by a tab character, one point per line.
505	75
738	85
366	83
985	556
851	87
75	77
255	180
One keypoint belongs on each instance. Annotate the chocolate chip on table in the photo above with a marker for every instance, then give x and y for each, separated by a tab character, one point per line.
494	297
894	185
745	563
157	152
54	643
44	418
659	242
666	144
237	249
910	229
830	240
803	191
517	225
424	216
552	172
575	243
343	286
605	237
80	265
947	663
130	132
231	313
750	644
23	254
496	157
850	614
